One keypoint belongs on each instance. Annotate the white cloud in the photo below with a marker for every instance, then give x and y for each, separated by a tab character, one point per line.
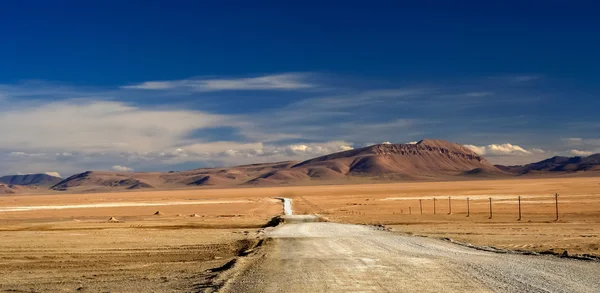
24	154
480	150
156	85
505	149
233	153
478	94
537	151
526	78
55	174
74	135
290	152
413	142
313	148
581	153
501	149
97	126
574	141
286	81
121	168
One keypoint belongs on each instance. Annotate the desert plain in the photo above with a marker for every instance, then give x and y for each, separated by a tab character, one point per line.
180	240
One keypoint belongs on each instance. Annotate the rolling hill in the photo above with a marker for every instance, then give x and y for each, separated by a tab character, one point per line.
43	180
103	181
556	165
12	189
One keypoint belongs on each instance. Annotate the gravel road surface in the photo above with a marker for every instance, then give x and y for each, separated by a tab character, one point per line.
287	206
330	257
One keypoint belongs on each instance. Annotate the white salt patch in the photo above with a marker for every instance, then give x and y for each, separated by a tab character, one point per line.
115	204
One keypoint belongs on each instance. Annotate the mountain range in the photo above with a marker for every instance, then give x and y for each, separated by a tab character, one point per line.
425	160
30	179
556	164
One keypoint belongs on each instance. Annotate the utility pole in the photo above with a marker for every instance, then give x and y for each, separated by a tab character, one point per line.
468	208
449	205
519	208
434	205
421	205
491	208
556	200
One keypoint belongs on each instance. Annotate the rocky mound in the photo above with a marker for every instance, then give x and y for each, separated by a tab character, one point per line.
12	189
112	180
6	189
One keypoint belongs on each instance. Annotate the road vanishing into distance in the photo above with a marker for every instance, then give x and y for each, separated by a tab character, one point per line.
330	257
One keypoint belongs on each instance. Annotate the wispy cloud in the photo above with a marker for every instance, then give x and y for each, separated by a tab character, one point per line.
581	153
287	81
478	94
120	168
526	78
574	141
96	126
577	141
501	150
46	126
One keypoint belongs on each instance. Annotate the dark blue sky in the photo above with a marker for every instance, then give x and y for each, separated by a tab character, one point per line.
115	42
481	73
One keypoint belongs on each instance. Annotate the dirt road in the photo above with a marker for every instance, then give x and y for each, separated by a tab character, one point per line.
331	257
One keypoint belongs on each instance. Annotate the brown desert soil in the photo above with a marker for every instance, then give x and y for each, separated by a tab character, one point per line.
116	259
577	231
126	249
62	249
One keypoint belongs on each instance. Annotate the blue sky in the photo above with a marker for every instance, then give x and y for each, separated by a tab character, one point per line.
170	85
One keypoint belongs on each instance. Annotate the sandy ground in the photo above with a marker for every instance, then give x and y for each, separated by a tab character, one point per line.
332	257
216	203
115	259
577	231
65	243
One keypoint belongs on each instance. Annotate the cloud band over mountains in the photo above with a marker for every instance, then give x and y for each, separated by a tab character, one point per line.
159	125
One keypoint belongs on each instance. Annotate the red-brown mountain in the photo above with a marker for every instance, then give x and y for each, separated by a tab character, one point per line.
427	159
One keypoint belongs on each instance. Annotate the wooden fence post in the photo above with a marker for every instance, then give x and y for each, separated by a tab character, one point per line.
421	205
519	208
556	200
449	205
468	208
491	214
434	205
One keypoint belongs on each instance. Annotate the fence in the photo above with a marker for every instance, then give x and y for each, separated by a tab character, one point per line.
518	210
